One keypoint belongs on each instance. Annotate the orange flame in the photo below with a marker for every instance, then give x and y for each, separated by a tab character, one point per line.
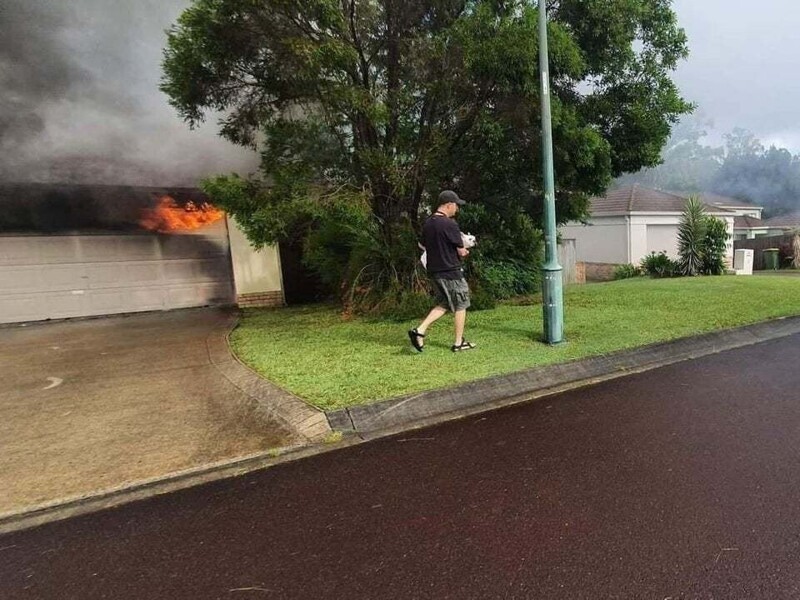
168	216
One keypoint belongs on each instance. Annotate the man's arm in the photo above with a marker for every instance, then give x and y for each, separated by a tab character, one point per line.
454	236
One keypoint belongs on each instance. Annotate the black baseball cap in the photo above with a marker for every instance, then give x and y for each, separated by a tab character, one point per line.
450	196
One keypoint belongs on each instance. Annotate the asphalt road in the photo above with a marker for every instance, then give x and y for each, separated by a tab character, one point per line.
678	483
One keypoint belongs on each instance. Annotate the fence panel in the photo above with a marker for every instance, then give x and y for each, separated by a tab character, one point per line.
568	258
759	244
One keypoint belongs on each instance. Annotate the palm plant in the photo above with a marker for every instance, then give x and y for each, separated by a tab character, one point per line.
691	237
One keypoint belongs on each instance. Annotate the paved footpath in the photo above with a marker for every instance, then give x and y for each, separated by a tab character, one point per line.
682	482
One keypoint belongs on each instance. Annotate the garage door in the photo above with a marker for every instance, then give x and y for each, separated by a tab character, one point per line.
663	238
63	276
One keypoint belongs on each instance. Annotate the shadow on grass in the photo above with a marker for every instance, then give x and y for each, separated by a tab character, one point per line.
514	332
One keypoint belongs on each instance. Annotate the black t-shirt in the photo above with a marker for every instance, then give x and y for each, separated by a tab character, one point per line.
441	236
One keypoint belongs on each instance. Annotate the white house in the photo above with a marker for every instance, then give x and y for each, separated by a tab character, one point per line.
748	223
629	223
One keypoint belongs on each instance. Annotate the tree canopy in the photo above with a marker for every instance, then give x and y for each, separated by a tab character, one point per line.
400	98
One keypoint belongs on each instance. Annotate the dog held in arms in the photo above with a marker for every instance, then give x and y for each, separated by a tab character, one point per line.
468	239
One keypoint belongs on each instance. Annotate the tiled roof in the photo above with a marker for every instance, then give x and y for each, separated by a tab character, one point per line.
790	221
748	223
636	198
717	200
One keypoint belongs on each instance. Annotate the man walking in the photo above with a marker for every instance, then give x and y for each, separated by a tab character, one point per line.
445	249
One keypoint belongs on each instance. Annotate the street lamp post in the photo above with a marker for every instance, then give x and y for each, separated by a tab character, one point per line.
552	288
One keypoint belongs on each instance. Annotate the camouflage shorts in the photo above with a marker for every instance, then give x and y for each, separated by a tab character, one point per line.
452	293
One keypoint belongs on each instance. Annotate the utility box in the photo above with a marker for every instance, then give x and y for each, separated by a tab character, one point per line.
743	262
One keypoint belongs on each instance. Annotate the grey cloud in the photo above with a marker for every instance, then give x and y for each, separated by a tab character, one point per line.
79	98
743	64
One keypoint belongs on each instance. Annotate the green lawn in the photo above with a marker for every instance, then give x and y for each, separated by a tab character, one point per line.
333	363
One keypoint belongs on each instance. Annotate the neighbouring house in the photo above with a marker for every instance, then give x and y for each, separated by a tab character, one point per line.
783	224
747	223
629	223
78	250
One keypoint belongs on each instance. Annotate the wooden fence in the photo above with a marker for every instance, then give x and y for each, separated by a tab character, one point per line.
759	244
568	259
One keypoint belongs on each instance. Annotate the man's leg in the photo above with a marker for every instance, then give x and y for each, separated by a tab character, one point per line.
418	335
460	319
460	305
436	313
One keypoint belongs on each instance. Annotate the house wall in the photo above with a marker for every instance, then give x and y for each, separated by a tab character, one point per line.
661	233
604	241
628	239
256	273
775	231
748	234
729	245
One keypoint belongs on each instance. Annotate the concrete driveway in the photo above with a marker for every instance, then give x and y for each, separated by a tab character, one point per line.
95	405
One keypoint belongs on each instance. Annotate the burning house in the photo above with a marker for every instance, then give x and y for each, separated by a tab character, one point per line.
79	250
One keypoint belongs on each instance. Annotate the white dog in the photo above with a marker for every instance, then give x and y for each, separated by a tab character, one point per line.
469	242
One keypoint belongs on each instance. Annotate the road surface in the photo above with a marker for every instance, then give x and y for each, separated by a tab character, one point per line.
683	482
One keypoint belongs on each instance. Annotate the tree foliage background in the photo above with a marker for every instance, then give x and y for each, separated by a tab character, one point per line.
742	168
380	104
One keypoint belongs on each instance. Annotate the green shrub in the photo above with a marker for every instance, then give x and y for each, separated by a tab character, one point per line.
507	259
660	265
627	271
480	299
336	228
404	305
504	279
713	248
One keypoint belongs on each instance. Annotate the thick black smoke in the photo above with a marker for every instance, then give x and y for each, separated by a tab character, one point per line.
79	98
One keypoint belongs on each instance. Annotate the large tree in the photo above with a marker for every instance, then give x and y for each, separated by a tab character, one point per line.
399	98
768	177
687	164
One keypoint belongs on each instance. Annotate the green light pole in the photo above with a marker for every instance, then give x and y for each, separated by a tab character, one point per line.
552	288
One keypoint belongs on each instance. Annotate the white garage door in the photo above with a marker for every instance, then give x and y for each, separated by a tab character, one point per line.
62	276
663	238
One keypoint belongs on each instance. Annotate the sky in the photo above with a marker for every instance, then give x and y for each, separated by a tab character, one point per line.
743	66
79	98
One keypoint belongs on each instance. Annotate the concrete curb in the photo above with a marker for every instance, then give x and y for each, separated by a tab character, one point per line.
273	402
416	410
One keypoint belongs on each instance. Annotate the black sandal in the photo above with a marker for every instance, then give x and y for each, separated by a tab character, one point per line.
414	336
464	345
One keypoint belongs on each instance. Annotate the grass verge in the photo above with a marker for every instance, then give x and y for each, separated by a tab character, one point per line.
333	363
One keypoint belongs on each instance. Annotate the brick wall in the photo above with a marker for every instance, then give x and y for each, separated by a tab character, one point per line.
580	272
599	271
260	299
